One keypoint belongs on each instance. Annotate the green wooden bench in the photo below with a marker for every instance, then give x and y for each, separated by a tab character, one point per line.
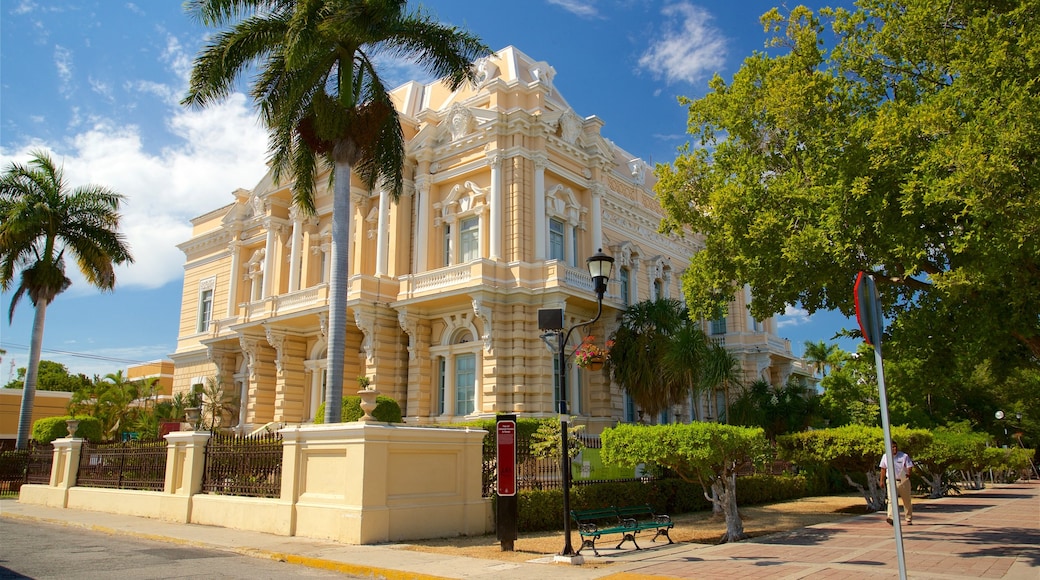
627	521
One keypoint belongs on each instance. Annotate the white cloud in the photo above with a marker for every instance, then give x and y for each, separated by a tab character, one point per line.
583	8
220	149
688	48
63	63
100	87
24	7
792	316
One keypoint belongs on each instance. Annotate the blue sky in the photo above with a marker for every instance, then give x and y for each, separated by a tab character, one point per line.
97	84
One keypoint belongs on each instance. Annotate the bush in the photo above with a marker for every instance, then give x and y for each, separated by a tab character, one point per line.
50	428
387	410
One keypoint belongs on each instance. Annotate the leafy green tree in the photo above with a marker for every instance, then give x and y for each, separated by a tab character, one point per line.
51	376
658	355
705	453
850	392
116	403
949	449
322	100
854	450
777	410
904	145
42	221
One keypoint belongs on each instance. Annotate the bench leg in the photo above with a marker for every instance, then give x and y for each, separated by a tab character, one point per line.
586	543
663	532
629	537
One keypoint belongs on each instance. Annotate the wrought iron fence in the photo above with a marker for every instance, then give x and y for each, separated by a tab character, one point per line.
20	466
246	466
137	465
534	473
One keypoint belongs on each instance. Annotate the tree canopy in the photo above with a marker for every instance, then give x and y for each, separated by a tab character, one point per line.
904	145
706	453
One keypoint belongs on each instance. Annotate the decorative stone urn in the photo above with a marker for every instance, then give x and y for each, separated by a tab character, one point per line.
368	403
71	425
191	415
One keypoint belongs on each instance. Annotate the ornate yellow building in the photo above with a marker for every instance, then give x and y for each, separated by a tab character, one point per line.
509	191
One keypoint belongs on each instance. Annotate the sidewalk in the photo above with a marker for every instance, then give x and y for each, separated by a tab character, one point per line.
994	533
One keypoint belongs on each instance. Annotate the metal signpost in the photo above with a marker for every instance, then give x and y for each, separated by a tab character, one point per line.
868	315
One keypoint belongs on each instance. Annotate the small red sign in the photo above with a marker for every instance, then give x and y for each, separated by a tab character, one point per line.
506	457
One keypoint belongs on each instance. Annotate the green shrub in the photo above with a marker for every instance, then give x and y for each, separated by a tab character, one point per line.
387	410
48	429
765	488
525	427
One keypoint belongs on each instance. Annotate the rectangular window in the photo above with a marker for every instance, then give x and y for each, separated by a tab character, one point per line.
442	384
465	383
447	244
718	326
556	251
624	282
630	409
469	239
658	289
205	310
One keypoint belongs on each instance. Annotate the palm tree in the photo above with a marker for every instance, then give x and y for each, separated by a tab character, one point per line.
820	355
657	354
720	372
41	220
322	99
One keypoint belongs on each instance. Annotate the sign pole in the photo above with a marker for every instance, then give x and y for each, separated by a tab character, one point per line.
507	507
868	314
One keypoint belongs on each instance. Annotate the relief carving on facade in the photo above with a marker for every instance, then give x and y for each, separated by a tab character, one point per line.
461	121
409	324
484	71
484	313
366	323
277	340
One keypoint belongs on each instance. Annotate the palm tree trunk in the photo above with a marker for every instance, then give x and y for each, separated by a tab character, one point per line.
31	373
339	277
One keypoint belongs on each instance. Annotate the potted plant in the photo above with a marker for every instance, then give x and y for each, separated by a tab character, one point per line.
589	355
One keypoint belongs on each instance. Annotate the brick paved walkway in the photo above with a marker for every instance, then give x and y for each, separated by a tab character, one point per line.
994	533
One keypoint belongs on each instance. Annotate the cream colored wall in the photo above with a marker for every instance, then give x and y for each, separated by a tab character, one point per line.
354	483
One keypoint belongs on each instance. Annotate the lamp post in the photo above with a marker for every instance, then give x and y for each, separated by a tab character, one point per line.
600	266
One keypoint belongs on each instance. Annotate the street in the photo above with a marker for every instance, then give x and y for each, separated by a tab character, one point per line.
44	551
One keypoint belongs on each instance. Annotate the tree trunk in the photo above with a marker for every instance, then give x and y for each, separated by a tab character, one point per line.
874	494
339	278
935	481
726	489
31	373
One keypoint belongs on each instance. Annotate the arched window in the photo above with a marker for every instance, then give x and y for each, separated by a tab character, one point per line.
457	385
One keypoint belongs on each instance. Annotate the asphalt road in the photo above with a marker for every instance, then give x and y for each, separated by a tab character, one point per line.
44	551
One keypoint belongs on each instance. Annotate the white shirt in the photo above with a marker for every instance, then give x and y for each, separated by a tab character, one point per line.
902	461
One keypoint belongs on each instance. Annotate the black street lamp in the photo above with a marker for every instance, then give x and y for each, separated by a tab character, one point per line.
600	266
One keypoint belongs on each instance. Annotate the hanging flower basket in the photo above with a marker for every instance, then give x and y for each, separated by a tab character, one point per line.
589	355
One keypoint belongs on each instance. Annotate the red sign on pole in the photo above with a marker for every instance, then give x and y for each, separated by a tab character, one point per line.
506	457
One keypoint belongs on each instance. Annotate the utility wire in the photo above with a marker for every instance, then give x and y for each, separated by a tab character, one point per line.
76	354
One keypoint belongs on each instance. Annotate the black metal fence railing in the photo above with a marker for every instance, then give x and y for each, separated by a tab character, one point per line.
245	466
21	466
41	457
137	465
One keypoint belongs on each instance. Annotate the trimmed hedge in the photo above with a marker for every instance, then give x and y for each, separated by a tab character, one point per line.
387	410
50	428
